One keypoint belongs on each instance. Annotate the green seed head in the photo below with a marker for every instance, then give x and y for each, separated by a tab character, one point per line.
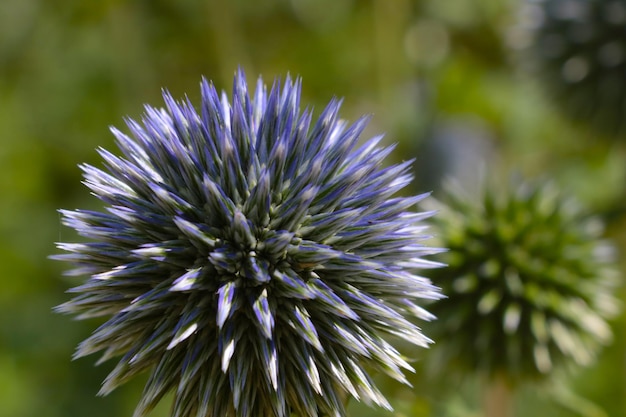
528	281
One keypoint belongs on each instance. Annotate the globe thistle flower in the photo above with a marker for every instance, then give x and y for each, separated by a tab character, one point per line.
254	264
579	50
529	284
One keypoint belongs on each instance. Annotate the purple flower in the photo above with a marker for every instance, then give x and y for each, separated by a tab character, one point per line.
253	264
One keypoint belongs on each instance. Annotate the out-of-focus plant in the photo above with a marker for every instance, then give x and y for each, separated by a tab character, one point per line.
455	147
253	264
577	48
529	287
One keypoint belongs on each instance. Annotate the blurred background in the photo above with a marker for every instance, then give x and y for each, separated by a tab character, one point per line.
447	80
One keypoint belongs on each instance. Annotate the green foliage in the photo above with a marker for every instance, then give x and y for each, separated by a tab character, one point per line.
69	69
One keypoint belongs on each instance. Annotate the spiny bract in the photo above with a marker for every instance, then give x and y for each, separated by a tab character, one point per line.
579	48
253	264
529	283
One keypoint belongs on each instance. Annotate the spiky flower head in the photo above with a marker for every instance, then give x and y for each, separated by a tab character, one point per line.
529	283
579	48
254	263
